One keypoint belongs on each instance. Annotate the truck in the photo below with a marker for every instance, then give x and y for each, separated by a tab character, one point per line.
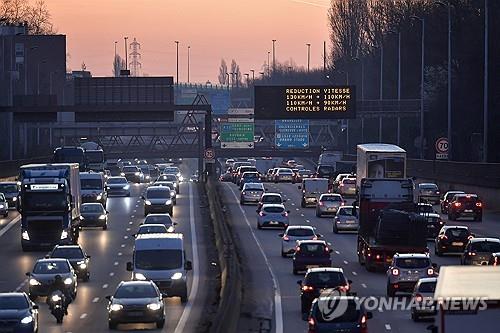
70	154
467	299
382	190
330	157
94	155
49	203
312	188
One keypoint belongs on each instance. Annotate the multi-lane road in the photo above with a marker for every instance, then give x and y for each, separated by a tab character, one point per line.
110	250
272	288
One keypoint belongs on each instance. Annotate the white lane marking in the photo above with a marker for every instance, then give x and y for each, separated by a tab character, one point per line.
297	209
293	204
123	245
132	216
135	211
21	286
120	254
345	262
95	300
111	274
354	273
128	229
302	215
388	327
83	316
131	223
308	221
125	237
105	286
337	252
10	225
278	311
363	285
196	275
116	263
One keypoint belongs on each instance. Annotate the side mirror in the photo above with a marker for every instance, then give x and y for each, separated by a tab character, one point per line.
88	257
285	200
434	265
319	235
129	266
47	256
164	295
330	250
188	266
432	328
35	307
369	315
108	298
281	235
142	197
28	274
134	235
175	223
107	212
299	282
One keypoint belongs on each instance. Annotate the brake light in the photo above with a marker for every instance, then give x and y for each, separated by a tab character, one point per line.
471	253
307	288
345	288
297	249
342	203
262	213
430	271
443	237
419	298
363	320
457	204
341	185
321	203
395	271
378	256
315	238
327	249
312	323
285	238
479	204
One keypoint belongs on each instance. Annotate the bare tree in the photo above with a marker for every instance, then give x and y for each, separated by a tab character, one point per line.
36	17
223	72
235	69
118	65
14	11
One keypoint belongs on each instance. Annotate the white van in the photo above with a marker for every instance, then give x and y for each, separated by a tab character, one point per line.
93	187
162	259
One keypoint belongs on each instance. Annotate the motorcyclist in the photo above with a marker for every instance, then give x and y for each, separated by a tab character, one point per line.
58	285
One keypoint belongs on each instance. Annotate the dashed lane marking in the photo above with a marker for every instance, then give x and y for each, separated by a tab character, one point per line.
83	316
95	300
116	263
10	225
123	245
120	254
388	327
337	252
345	262
111	274
105	286
363	285
354	273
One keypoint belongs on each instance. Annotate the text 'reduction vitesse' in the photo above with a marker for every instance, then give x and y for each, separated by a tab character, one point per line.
317	99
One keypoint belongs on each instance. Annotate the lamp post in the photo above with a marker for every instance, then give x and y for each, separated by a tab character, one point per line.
268	65
189	48
422	64
126	53
253	75
308	55
485	87
177	47
227	74
248	79
274	58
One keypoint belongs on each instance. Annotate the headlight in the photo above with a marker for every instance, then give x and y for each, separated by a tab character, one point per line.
122	174
181	179
177	276
68	281
172	193
126	187
139	276
102	217
154	306
147	202
34	282
99	197
26	320
82	264
170	229
14	199
175	184
25	235
137	173
56	298
148	177
168	202
2	206
64	234
115	307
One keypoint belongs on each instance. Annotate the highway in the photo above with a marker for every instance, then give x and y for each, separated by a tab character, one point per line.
110	250
273	292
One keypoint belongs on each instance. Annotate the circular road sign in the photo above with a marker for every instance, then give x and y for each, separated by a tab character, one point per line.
209	153
442	145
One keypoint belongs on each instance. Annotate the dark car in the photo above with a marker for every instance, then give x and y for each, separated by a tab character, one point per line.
325	171
78	259
133	173
44	273
93	215
311	254
118	186
465	205
434	224
136	302
18	313
170	178
494	259
158	199
10	190
249	177
452	239
353	319
479	250
317	280
428	192
163	219
445	201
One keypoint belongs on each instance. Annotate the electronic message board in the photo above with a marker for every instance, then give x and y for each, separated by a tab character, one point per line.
305	102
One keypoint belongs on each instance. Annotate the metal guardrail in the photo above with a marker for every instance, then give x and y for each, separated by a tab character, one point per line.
11	168
228	312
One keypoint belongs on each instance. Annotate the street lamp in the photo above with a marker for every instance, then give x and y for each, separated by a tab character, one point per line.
253	74
274	59
422	21
248	79
268	65
126	53
189	48
308	55
227	74
177	47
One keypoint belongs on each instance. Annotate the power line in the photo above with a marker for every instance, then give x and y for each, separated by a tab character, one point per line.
135	56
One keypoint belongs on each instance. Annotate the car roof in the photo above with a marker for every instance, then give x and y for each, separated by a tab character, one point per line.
271	193
325	269
92	204
14	293
330	195
159	214
311	241
135	283
466	195
454	192
273	205
428	280
411	255
427	184
43	260
149	225
485	239
118	177
446	227
161	188
253	185
300	227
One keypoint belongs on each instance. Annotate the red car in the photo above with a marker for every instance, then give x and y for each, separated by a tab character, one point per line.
465	205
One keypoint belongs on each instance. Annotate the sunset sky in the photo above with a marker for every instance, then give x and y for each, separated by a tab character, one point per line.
215	29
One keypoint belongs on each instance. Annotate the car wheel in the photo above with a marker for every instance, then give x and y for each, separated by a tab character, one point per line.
335	229
390	291
283	254
184	297
105	227
242	202
160	324
318	214
112	325
259	226
6	214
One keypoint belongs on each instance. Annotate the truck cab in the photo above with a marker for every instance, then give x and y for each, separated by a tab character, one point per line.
312	188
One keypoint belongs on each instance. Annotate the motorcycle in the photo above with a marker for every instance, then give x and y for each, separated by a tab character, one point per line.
57	305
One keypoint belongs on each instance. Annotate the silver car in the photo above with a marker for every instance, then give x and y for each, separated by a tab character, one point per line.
283	175
329	204
251	192
4	206
117	186
347	187
346	219
293	234
405	271
272	216
423	296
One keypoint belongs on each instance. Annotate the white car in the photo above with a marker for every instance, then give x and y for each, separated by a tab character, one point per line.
293	234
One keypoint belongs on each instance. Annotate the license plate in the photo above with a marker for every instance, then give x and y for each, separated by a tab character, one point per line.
468	210
351	221
388	260
136	314
273	222
312	266
457	243
430	226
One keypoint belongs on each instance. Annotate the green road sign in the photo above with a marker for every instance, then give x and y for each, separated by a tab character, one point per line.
237	132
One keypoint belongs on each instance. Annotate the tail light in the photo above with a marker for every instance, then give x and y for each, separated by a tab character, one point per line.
457	204
471	253
307	288
364	328
479	204
327	249
315	238
341	185
437	192
443	237
378	257
285	238
470	237
297	249
345	288
321	203
430	271
285	214
261	213
395	271
418	298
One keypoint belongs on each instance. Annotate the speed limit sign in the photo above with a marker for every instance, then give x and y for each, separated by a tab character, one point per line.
442	148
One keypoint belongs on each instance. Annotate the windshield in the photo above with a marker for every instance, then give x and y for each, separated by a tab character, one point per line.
458	233
95	156
450	195
350	315
305	232
274	210
91	184
92	208
428	186
60	267
347	211
489	247
14	302
250	175
326	170
152	229
413	263
136	291
171	170
253	188
164	193
115	181
331	279
271	199
8	188
312	248
158	259
130	169
348	181
68	253
331	198
427	287
158	219
168	178
425	209
45	201
471	199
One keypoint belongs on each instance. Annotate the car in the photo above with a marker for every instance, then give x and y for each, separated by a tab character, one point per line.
11	191
241	170
249	177
494	259
325	171
301	174
328	204
353	319
136	302
4	206
318	279
18	313
293	234
291	163
268	176
170	178
93	215
405	271
229	162
272	216
346	219
158	200
118	186
154	171
445	201
283	175
93	187
226	176
77	257
452	239
163	219
425	208
43	274
311	254
153	229
171	186
272	175
347	187
251	192
338	180
195	177
299	167
133	174
423	298
428	192
465	205
106	174
434	224
173	170
145	171
479	250
270	198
